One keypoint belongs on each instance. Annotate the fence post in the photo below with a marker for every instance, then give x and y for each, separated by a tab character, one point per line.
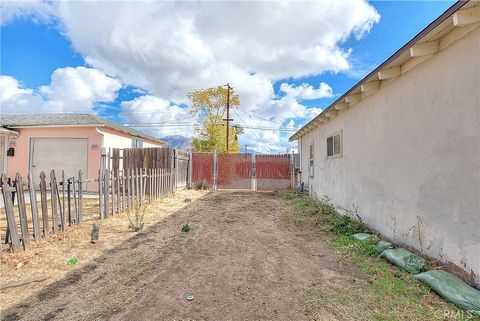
189	173
101	177
106	194
175	165
33	206
22	213
80	197
113	192
75	203
215	171
128	185
63	218
43	201
12	225
137	186
69	189
53	200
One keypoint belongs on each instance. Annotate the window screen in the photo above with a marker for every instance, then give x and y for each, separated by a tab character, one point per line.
334	145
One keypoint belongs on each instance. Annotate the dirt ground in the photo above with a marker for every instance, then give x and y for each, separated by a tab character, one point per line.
241	260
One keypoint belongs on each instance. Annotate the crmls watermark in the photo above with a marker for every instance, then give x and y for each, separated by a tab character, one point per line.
453	315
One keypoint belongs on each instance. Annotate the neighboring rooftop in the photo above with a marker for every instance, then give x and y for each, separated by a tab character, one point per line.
27	120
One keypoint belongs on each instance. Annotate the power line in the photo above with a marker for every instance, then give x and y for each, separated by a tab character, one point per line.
253	115
258	139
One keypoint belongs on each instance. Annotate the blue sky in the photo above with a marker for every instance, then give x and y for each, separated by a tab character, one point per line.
34	47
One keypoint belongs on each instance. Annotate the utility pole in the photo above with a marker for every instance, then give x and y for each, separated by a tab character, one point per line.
246	148
228	114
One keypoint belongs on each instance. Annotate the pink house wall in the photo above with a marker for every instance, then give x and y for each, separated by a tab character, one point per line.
21	161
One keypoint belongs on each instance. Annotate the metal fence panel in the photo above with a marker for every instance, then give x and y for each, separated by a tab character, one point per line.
273	171
234	171
202	168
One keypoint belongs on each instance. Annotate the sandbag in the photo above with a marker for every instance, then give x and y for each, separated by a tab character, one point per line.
405	260
382	246
452	289
361	236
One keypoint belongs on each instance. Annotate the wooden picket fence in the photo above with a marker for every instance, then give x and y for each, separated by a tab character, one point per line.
131	177
54	218
128	178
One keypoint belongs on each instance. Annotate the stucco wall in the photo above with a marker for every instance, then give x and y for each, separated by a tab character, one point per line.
411	158
116	139
21	161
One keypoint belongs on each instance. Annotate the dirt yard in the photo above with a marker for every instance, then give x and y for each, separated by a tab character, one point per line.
242	260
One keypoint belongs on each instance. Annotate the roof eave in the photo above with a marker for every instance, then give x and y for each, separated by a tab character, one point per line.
448	13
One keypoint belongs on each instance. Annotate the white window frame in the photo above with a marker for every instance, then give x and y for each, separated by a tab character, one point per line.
137	141
338	155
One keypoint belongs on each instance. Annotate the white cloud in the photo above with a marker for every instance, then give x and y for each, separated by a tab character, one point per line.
11	88
70	90
171	48
167	118
36	9
306	91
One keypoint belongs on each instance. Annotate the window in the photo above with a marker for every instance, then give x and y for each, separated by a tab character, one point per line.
311	160
334	145
137	142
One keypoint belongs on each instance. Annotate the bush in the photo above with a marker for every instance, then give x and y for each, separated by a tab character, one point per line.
136	222
203	185
323	210
344	225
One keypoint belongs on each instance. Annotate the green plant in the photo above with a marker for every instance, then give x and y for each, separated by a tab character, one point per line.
136	222
185	228
287	194
203	185
323	211
351	247
344	225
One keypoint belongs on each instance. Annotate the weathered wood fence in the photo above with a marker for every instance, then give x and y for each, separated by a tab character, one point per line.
131	177
127	178
56	210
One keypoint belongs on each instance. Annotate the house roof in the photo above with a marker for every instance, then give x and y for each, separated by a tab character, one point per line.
461	18
19	121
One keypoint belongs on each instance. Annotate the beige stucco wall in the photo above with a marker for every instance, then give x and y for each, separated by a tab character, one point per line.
116	139
411	158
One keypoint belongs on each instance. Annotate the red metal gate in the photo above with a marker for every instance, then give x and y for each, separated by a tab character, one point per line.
202	168
234	171
273	171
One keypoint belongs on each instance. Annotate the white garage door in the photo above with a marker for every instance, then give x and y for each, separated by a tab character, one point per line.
68	154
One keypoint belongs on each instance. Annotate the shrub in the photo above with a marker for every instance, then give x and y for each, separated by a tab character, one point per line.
344	225
323	210
203	185
136	222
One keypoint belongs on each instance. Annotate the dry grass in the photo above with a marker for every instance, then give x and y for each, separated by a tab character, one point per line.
50	255
378	290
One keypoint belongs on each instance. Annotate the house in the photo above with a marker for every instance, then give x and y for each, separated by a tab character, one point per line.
69	142
402	146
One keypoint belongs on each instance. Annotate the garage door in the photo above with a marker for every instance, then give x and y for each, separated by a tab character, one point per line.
68	154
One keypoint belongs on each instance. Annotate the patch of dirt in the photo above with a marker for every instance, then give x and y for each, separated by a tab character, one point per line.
241	261
49	256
